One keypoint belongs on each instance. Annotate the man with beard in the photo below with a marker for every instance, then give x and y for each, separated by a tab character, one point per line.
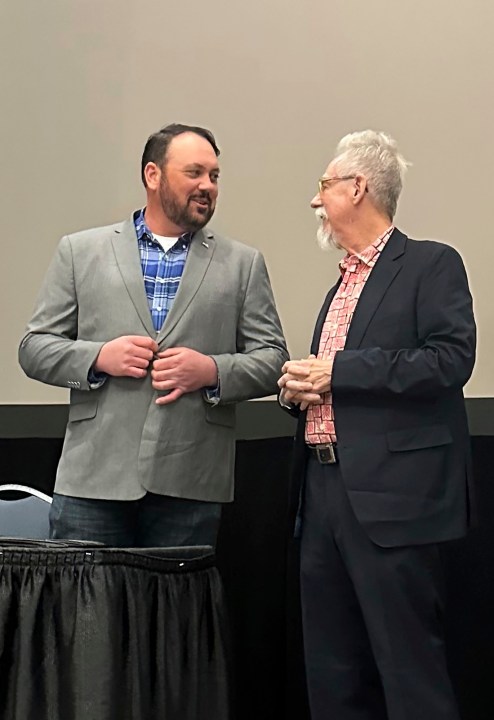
382	449
158	326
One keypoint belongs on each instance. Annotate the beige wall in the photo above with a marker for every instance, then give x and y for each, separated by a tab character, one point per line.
85	81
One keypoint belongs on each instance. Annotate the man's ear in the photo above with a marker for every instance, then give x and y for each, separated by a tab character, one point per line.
152	175
360	188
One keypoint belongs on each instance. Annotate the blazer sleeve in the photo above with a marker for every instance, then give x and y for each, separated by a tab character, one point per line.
445	354
253	370
50	350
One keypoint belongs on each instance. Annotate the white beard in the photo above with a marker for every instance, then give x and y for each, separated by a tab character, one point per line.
325	238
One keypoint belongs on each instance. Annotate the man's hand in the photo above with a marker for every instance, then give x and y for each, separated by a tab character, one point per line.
304	381
317	372
182	370
301	397
295	385
126	356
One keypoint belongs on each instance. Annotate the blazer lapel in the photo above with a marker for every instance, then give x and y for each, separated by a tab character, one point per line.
387	267
198	258
126	251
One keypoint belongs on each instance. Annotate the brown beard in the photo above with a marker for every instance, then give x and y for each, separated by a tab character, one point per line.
182	214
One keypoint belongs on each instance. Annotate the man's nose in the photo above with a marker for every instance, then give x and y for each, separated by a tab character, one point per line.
316	201
207	184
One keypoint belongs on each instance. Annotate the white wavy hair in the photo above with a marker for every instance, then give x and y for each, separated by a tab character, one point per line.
375	155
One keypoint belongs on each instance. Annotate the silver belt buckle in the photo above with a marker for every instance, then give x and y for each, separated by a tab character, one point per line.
326	454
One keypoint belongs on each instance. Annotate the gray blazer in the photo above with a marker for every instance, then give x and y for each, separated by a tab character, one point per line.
119	443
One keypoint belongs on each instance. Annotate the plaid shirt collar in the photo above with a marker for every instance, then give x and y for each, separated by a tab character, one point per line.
144	233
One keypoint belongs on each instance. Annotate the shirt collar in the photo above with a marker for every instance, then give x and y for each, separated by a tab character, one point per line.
144	233
368	256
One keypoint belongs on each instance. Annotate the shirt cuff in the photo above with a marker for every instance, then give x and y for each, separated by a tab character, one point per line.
96	379
285	403
212	395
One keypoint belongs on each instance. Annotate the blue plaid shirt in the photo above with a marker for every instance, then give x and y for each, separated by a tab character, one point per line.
162	271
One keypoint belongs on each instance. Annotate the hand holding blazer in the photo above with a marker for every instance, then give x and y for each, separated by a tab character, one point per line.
119	443
400	417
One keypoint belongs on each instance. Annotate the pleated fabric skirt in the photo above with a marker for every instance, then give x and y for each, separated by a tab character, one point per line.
95	633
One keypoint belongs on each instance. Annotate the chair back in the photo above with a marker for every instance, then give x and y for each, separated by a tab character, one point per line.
24	512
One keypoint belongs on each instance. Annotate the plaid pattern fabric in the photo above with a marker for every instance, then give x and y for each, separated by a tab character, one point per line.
355	269
162	271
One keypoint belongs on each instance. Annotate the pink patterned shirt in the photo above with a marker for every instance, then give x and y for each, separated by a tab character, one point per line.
355	269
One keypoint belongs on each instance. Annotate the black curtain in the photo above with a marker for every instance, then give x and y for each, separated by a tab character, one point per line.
93	633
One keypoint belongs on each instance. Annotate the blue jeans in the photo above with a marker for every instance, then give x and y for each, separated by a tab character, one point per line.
151	521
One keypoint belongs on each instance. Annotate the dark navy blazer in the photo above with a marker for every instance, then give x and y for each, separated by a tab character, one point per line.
401	426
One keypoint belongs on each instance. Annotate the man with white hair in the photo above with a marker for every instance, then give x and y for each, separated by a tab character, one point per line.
382	449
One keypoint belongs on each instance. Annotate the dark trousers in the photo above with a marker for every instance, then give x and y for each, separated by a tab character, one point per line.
151	521
373	640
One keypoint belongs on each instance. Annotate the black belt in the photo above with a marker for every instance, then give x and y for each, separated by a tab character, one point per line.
324	453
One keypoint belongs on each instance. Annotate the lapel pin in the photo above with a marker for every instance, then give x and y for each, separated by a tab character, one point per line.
205	244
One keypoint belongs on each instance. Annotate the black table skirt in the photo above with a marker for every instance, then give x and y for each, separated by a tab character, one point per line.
94	633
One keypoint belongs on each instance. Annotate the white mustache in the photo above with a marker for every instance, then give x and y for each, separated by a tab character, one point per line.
320	214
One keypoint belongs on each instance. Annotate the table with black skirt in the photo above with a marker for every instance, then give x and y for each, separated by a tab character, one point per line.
89	632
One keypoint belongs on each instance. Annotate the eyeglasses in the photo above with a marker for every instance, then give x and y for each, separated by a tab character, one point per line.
322	182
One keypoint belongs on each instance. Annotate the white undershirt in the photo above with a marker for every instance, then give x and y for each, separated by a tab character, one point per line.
165	242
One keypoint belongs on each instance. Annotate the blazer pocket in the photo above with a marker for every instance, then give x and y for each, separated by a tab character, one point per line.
221	415
84	409
419	438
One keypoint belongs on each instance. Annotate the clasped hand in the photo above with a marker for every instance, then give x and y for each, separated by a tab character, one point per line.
182	370
176	370
304	381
